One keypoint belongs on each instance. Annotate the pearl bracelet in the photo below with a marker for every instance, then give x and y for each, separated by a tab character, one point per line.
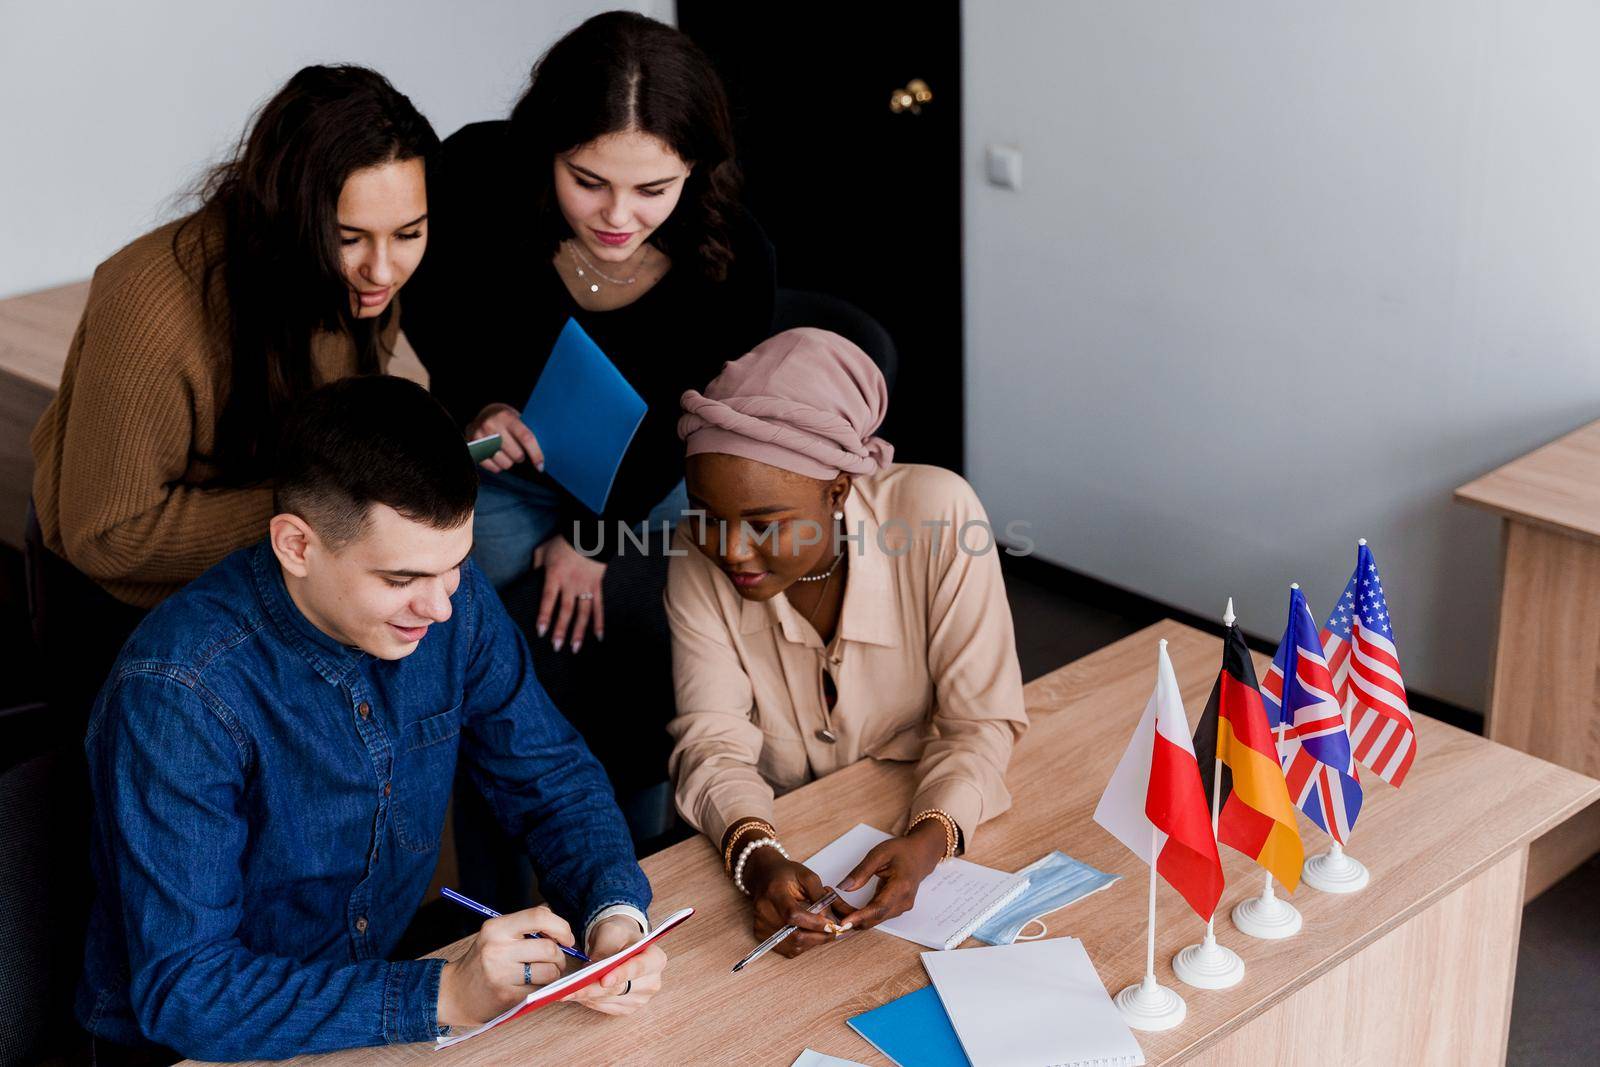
744	854
733	842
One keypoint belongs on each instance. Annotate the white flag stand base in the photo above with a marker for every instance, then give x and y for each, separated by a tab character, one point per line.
1268	917
1334	872
1208	965
1151	1006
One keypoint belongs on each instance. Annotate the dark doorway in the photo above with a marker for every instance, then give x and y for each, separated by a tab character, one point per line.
861	197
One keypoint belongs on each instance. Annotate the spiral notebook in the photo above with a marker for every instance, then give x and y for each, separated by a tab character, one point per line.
952	902
1031	1004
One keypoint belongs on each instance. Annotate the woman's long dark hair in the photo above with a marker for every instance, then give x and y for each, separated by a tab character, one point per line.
267	261
622	71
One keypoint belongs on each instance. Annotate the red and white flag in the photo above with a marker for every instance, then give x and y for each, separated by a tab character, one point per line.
1156	786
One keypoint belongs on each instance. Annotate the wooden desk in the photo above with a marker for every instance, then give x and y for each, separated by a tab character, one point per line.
1417	968
35	332
1543	696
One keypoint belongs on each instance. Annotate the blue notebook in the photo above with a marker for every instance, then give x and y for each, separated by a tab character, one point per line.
584	413
913	1031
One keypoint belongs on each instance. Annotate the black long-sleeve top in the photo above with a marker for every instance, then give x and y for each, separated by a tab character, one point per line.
485	307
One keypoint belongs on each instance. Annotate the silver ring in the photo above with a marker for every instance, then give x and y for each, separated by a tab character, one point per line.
626	989
585	596
527	974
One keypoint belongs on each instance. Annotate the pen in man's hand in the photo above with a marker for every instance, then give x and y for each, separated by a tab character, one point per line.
468	902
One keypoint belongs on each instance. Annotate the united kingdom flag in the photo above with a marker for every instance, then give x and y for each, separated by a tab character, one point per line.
1358	643
1314	747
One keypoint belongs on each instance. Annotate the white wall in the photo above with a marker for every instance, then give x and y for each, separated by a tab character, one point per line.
1281	275
109	110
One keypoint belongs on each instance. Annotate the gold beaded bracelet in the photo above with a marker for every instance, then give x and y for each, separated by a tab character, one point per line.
951	832
733	842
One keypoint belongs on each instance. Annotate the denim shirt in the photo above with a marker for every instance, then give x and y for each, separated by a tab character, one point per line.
268	805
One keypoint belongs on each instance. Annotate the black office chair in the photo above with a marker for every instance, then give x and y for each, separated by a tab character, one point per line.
78	626
45	804
802	307
44	885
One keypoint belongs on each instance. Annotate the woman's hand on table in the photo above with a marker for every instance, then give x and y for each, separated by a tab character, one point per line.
781	890
900	864
517	443
572	595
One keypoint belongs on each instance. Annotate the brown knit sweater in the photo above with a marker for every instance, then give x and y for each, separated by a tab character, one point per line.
117	473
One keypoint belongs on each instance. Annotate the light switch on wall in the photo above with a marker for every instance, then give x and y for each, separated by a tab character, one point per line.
1005	166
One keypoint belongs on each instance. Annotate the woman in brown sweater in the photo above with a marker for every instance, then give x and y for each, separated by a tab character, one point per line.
152	462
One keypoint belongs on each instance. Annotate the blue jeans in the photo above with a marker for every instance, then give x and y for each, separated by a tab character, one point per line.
516	516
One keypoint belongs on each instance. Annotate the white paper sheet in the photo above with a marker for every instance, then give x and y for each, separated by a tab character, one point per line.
1031	1004
950	902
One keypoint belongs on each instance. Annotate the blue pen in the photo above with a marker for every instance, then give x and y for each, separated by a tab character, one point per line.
465	901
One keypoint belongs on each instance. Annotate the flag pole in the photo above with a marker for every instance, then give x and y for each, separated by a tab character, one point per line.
1269	916
1228	619
1209	965
1147	1004
1216	803
1150	949
1333	871
1267	894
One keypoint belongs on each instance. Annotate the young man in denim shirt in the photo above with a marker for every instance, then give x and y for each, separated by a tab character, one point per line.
273	752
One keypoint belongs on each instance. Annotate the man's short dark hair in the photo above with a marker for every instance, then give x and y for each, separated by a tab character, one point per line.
373	439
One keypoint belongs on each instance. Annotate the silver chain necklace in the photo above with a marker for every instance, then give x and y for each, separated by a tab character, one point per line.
577	256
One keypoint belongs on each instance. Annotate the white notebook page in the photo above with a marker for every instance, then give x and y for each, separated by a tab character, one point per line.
1031	1004
950	901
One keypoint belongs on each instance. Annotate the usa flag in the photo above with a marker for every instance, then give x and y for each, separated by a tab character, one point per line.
1358	643
1314	748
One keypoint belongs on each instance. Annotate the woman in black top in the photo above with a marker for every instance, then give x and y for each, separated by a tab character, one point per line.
609	197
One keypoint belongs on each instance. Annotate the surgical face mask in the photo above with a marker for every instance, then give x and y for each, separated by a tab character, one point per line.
1053	882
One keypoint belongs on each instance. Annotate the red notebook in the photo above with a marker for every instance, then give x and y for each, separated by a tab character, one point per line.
571	983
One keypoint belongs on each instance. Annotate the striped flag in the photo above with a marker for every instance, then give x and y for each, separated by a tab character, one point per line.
1257	817
1156	787
1358	642
1315	750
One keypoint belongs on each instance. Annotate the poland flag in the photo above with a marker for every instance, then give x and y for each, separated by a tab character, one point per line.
1155	803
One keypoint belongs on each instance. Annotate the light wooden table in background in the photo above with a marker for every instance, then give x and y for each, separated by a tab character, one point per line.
36	330
1544	693
1416	969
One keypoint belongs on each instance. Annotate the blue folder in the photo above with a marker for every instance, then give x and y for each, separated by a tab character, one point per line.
584	413
913	1031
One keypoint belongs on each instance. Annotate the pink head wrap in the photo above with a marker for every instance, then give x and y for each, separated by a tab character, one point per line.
806	401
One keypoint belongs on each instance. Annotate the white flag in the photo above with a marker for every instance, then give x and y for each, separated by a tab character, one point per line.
1121	808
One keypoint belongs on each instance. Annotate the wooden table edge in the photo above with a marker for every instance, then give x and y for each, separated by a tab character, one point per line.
1489	504
1349	951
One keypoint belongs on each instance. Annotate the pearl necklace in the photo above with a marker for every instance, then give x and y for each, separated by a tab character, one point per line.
826	574
572	249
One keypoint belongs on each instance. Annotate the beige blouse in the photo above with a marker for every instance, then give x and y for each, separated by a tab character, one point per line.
924	662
